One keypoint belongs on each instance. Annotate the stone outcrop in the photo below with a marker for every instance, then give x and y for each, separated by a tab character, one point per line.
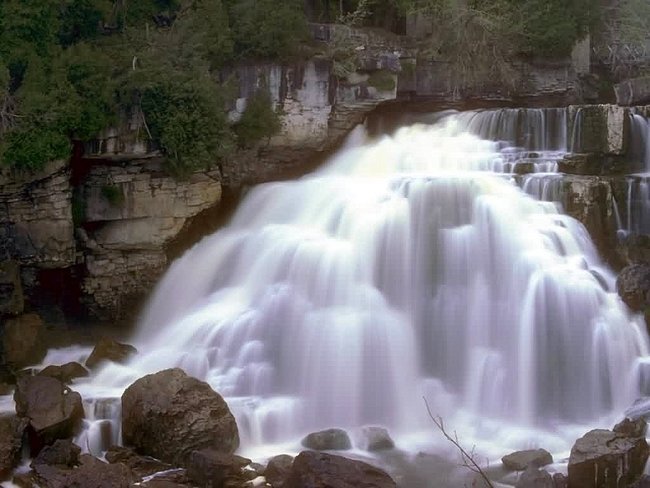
321	470
606	459
328	440
635	91
11	290
22	341
66	372
11	433
52	410
633	285
599	129
521	460
168	415
131	211
109	350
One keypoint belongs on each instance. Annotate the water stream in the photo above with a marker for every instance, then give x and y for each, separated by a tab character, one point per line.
410	265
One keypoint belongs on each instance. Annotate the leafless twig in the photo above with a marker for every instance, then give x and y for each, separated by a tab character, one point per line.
467	457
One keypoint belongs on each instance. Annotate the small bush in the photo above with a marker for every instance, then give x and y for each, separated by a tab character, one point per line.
382	80
113	195
258	121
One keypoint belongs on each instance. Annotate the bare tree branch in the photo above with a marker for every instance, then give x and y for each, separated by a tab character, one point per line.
467	457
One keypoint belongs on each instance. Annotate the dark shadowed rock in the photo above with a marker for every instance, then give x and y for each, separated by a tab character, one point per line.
52	409
631	428
376	438
110	350
560	481
633	285
66	372
328	440
62	453
11	290
520	460
534	478
214	469
11	434
91	473
22	341
321	470
168	415
278	469
606	459
643	482
140	466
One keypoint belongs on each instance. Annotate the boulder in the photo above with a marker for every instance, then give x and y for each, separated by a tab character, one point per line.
376	438
328	440
560	481
321	470
633	285
52	409
11	434
110	350
606	459
214	469
62	453
534	478
169	414
91	473
520	460
66	372
278	469
631	428
140	466
22	341
11	290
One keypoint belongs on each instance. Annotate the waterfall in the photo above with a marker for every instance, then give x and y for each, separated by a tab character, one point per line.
639	141
407	266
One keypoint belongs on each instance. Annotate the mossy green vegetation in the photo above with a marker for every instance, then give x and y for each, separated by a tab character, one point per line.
69	68
258	121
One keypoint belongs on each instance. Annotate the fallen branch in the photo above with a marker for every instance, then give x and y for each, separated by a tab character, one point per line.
467	457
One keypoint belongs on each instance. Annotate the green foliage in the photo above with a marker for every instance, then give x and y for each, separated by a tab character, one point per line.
113	194
258	121
267	28
382	80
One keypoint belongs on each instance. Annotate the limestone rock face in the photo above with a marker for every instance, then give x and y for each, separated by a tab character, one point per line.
22	341
168	415
599	129
606	459
321	470
36	216
635	91
52	409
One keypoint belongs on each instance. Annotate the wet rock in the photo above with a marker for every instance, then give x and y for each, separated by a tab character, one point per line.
520	460
11	290
22	341
52	409
328	440
321	470
110	350
278	469
376	438
214	469
523	167
631	428
600	128
633	286
62	453
535	478
140	466
91	473
168	415
604	459
66	372
643	482
11	433
560	481
595	164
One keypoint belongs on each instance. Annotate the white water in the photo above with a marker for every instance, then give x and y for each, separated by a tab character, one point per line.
409	266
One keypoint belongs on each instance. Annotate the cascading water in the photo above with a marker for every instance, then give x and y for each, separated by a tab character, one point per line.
406	267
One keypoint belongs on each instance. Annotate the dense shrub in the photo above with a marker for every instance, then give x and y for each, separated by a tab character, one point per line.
258	121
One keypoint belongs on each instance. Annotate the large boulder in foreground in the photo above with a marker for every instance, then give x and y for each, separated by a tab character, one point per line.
52	410
606	459
321	470
169	414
